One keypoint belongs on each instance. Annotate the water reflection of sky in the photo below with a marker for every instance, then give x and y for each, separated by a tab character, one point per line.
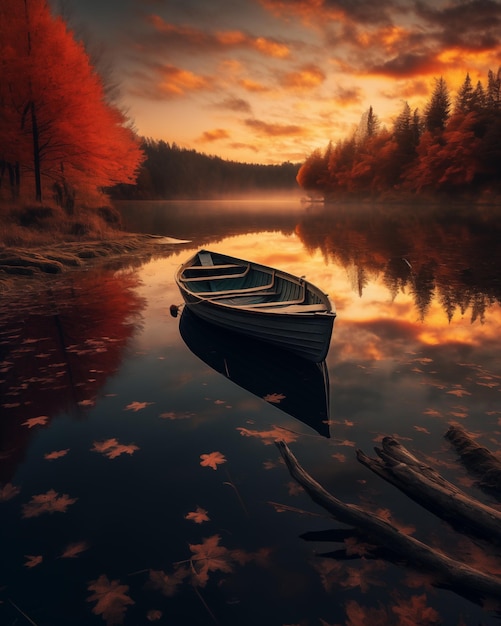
125	532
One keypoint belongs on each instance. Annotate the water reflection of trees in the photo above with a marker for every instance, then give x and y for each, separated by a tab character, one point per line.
448	253
57	349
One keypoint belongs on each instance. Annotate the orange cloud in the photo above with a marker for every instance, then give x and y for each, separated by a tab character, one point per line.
253	86
214	135
178	37
274	130
177	82
307	77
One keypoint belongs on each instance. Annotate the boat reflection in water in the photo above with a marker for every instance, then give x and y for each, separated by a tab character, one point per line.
292	384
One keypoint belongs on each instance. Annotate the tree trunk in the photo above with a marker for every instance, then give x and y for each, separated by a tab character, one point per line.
424	485
477	459
448	572
36	153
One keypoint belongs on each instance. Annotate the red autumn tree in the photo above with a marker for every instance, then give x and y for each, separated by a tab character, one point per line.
56	129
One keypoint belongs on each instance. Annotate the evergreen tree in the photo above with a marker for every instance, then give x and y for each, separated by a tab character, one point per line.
465	96
494	90
372	123
437	109
403	130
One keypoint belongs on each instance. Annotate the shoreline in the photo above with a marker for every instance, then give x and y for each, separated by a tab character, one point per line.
24	265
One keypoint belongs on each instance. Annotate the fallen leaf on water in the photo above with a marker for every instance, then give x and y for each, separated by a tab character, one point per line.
36	421
57	454
50	502
32	561
154	615
112	448
137	406
166	583
275	398
111	599
199	516
8	491
170	415
459	393
74	549
270	436
212	460
209	556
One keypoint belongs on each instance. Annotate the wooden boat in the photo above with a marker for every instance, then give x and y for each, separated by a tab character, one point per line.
291	384
265	303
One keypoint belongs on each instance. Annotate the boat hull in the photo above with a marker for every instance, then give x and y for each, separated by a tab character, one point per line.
293	328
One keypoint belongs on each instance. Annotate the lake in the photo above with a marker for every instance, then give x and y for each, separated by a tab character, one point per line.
139	479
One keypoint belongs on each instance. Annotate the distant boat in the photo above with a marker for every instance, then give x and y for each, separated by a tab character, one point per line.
260	301
290	383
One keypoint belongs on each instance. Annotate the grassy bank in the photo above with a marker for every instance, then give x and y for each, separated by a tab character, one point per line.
43	241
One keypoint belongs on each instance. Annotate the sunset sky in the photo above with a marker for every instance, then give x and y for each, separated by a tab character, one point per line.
268	81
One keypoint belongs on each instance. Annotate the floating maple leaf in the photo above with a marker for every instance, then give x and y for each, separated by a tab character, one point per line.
270	436
275	398
87	403
166	583
339	457
111	599
112	448
154	615
74	549
36	421
137	406
199	516
212	460
8	491
459	393
32	561
57	454
50	502
170	415
209	556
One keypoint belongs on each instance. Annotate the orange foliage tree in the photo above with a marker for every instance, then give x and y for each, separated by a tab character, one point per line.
57	131
454	154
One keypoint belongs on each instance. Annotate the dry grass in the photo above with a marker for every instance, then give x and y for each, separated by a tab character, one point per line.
35	225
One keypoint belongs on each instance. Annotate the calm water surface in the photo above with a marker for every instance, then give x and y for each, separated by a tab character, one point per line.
139	481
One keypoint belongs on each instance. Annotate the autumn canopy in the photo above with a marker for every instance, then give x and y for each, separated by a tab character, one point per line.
59	137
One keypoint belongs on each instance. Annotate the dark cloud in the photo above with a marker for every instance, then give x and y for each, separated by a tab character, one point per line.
474	24
238	105
407	65
350	95
361	11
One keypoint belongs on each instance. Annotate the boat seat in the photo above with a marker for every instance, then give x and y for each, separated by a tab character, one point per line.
277	304
205	258
233	292
298	308
241	294
190	279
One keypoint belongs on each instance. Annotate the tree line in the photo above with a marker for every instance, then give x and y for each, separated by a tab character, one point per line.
452	148
172	172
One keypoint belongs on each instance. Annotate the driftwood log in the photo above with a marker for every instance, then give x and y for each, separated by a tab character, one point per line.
428	488
478	460
447	572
